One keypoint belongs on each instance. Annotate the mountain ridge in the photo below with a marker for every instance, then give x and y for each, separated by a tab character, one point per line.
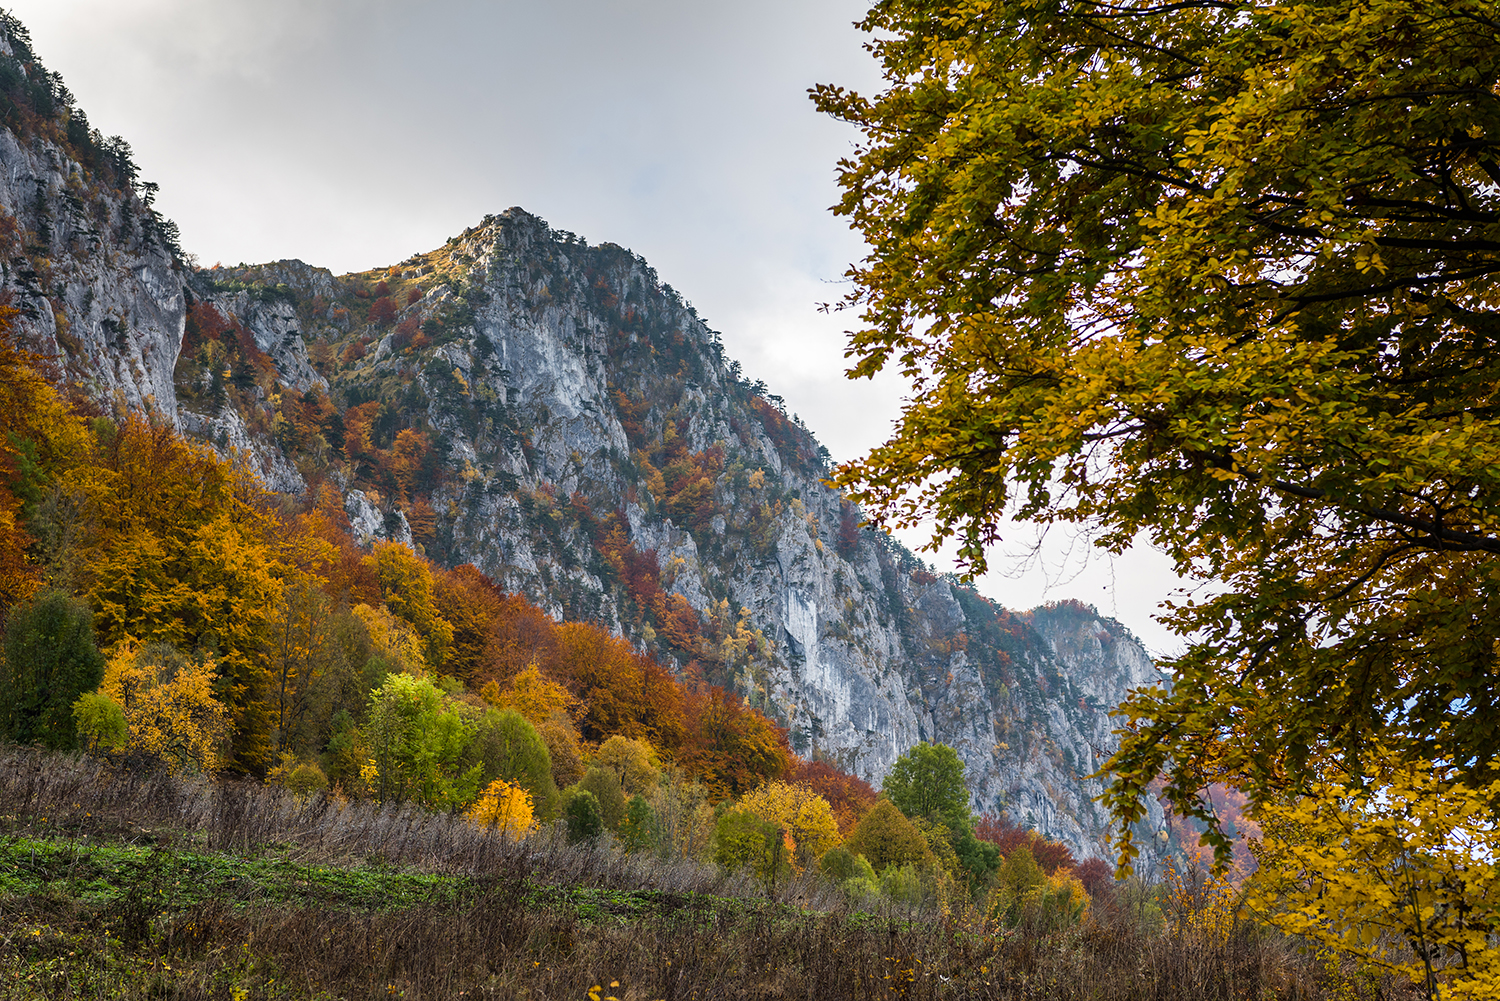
553	413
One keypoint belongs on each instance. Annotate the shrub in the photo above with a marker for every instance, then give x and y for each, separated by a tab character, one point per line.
99	722
638	829
306	779
503	807
606	789
580	811
743	840
841	865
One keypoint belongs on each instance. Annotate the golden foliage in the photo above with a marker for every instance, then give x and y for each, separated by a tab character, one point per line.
503	807
394	640
633	762
1404	859
169	705
802	813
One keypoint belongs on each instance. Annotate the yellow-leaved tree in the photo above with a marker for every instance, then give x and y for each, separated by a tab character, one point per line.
406	585
393	640
169	705
1399	866
504	808
802	813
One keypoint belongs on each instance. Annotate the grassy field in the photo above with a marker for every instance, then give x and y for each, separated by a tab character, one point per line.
117	884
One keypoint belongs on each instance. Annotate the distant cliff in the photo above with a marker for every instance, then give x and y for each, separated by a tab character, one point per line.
551	412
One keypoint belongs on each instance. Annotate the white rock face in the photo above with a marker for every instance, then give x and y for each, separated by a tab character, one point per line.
571	366
97	291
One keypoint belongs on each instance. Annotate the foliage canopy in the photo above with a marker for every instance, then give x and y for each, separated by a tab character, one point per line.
1221	274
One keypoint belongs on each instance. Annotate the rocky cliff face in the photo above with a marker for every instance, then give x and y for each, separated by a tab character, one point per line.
97	290
551	412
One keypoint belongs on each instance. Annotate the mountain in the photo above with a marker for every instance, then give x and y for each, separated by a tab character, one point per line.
551	412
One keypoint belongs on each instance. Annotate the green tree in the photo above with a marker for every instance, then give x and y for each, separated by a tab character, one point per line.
50	660
1220	275
580	811
742	839
638	829
510	748
928	782
418	739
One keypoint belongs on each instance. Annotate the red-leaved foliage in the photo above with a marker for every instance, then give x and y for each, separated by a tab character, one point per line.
382	310
1000	832
731	748
850	796
1097	877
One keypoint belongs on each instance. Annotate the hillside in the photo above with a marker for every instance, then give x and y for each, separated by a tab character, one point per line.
551	412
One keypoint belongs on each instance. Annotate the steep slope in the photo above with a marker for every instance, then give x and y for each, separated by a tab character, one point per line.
551	412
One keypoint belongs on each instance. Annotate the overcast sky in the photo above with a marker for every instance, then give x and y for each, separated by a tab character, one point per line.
354	133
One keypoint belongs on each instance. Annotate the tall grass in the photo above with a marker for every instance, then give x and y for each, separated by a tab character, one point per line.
679	929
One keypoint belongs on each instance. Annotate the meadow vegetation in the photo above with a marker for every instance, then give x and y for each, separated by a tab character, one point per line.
123	882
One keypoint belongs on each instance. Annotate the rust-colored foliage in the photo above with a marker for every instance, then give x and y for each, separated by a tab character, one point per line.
472	603
731	747
1000	832
850	796
382	310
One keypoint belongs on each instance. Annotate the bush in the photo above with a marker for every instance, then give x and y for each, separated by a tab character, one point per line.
99	722
741	840
606	789
638	829
841	865
907	884
580	811
306	779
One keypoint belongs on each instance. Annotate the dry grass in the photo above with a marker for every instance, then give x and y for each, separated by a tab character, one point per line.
668	929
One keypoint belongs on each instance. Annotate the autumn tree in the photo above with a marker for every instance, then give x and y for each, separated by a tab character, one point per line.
181	553
886	838
40	442
732	747
801	812
634	763
744	840
406	584
470	602
604	786
50	660
167	699
849	795
1221	276
382	311
1398	866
